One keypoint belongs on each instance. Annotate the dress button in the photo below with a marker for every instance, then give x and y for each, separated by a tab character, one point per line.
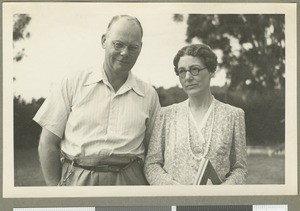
198	149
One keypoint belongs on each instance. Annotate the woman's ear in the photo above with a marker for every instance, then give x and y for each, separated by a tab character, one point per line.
103	41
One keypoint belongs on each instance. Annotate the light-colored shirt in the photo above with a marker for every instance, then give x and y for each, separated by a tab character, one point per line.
92	119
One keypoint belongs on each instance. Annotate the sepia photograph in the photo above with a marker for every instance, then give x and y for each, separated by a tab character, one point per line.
146	99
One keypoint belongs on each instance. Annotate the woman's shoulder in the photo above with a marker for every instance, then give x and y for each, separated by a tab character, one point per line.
172	109
225	107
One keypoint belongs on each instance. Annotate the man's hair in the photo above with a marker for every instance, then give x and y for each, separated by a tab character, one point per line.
127	17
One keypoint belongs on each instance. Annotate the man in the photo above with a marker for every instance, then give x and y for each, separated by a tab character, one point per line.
97	123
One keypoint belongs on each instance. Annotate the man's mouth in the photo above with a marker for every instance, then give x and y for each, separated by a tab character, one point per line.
123	61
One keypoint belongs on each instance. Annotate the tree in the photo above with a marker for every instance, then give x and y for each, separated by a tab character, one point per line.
257	61
253	53
21	21
26	131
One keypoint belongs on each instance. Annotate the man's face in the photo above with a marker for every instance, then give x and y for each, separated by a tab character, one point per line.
122	46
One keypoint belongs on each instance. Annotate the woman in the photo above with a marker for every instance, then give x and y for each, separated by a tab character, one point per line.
199	128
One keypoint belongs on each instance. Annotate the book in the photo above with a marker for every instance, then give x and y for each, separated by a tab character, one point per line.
206	171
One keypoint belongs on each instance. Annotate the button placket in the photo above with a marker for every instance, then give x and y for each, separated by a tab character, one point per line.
113	115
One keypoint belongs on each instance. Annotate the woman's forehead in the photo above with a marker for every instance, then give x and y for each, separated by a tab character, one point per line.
188	60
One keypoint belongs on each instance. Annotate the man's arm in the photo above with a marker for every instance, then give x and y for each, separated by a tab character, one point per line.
154	110
49	152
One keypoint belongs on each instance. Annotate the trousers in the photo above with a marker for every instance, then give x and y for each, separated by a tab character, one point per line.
132	174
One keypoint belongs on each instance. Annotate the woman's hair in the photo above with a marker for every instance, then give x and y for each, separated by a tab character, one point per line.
201	51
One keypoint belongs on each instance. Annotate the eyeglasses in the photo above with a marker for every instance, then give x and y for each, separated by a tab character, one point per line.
119	46
194	70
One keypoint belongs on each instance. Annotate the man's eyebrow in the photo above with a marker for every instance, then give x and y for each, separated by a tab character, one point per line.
125	43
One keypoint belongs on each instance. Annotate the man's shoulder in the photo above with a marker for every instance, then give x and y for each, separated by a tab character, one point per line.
76	78
144	86
79	75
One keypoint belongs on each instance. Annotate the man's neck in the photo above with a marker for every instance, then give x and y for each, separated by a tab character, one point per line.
116	80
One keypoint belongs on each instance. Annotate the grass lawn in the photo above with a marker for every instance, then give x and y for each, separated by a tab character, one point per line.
27	168
262	169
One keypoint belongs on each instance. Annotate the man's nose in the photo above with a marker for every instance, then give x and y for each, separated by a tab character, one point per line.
124	51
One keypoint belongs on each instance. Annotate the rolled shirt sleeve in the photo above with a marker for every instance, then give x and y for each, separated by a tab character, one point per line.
54	112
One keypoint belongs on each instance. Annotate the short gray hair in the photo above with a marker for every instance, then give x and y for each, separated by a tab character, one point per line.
127	17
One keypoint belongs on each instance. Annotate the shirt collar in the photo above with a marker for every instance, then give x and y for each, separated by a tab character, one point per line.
131	82
95	76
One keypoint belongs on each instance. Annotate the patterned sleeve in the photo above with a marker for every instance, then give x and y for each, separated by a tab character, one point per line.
238	153
54	112
154	162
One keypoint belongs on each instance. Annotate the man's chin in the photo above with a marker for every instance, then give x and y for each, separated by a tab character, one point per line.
123	69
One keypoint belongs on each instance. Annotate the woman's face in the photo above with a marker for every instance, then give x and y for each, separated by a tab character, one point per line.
194	85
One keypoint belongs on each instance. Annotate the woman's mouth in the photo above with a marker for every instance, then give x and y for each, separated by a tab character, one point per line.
190	85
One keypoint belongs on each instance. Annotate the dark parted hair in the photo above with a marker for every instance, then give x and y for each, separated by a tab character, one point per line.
201	51
128	17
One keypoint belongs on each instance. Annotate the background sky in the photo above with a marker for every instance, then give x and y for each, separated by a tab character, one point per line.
65	41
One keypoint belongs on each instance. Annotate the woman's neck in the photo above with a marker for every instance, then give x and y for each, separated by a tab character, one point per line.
201	101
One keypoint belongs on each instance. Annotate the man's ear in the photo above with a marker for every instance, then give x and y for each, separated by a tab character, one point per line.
141	46
103	41
211	75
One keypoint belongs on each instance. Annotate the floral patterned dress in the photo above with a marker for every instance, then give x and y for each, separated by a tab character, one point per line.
177	145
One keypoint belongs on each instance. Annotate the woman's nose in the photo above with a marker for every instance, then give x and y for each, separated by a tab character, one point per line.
188	75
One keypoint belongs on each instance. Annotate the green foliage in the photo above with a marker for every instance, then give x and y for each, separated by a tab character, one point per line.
26	131
257	62
264	115
171	95
20	23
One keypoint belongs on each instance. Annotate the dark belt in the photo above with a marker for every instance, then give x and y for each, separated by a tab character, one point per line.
102	168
